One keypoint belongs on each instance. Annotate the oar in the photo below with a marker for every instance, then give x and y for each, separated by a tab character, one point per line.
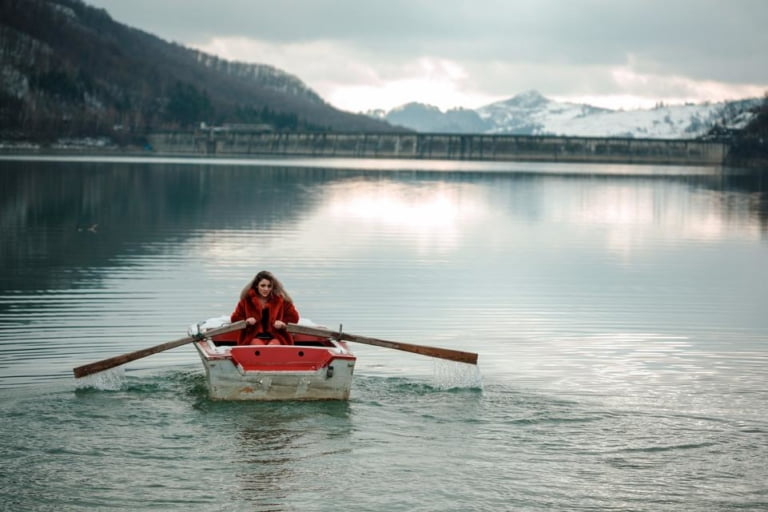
442	353
106	364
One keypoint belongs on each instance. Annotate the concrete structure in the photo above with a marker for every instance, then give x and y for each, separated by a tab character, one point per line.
442	146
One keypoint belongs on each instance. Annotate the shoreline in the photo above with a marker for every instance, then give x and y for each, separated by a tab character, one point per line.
31	150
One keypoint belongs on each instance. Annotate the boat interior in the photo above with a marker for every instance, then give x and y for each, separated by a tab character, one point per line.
304	340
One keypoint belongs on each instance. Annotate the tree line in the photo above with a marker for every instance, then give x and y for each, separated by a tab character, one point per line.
750	145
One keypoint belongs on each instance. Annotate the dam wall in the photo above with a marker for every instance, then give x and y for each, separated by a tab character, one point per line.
441	146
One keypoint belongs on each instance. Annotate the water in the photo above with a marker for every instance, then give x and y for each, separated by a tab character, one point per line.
618	313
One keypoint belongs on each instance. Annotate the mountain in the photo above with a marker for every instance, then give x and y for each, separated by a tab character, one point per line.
427	118
68	69
530	113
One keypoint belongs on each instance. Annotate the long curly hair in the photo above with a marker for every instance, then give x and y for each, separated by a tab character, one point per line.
277	286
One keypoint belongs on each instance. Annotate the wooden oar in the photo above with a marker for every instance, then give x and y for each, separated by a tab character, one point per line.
106	364
442	353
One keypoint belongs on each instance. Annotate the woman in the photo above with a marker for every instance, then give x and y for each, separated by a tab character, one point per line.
267	309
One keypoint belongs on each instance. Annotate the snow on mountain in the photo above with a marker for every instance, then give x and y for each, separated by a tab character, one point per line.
530	113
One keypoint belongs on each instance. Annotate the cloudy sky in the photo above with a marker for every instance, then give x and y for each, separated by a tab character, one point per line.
367	54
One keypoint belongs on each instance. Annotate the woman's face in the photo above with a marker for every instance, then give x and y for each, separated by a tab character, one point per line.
265	287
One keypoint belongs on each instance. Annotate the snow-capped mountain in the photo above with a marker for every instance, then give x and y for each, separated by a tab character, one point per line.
530	113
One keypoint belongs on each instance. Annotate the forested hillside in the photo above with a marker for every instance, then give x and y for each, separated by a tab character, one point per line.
69	70
750	145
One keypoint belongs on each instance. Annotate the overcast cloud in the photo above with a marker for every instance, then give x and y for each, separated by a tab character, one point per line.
365	54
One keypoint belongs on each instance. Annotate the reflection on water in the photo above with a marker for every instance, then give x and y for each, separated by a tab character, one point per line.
82	215
104	257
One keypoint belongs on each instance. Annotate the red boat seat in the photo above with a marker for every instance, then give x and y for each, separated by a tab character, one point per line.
228	338
280	358
231	338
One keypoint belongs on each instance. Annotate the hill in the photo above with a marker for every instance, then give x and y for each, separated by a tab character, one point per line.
68	69
749	146
530	113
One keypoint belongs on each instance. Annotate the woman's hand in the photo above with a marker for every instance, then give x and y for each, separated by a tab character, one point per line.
250	321
279	324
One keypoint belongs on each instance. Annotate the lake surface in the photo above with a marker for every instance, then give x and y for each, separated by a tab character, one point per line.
619	314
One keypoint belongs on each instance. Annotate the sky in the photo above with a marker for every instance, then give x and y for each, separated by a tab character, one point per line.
362	55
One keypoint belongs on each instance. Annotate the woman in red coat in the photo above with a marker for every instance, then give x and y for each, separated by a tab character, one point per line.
267	308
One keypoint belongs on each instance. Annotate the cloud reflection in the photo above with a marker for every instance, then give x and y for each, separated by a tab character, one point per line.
433	214
630	214
414	209
351	217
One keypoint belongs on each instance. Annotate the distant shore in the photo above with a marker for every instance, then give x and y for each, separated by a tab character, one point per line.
456	147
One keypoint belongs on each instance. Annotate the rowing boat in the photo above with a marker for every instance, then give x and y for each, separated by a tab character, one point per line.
318	366
315	367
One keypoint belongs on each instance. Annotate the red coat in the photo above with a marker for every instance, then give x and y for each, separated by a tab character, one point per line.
279	309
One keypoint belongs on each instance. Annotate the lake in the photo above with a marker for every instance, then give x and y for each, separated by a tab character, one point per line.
619	314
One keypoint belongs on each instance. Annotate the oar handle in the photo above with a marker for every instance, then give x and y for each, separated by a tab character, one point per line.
441	353
106	364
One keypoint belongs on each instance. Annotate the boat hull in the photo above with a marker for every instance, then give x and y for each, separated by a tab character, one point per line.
278	372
